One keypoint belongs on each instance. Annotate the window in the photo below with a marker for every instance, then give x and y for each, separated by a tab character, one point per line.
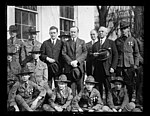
66	18
25	16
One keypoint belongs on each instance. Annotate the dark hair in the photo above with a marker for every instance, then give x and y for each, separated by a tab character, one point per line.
75	27
53	27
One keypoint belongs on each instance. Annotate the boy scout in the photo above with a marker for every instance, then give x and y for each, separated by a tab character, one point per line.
21	94
39	69
12	69
28	46
61	97
88	99
117	97
14	44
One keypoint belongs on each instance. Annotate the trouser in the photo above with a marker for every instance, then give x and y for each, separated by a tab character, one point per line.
128	76
139	86
76	86
24	105
101	77
52	77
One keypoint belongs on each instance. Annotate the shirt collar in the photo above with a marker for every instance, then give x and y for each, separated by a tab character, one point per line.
103	40
75	39
94	41
53	40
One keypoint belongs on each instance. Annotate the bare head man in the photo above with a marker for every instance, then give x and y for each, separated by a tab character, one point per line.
102	32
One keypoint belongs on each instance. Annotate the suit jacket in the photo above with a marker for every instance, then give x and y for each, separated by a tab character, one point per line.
89	59
68	54
86	98
111	62
128	52
121	99
50	50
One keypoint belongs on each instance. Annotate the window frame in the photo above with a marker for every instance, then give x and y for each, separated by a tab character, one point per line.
21	23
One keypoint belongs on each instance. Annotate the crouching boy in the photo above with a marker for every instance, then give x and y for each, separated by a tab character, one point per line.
61	97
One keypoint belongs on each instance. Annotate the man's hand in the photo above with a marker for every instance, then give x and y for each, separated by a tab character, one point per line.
114	110
16	108
111	70
74	63
135	67
50	60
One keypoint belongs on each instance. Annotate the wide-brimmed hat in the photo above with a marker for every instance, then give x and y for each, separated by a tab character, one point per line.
32	30
62	78
36	49
54	68
11	50
103	54
124	25
90	79
76	73
24	71
12	28
118	79
64	35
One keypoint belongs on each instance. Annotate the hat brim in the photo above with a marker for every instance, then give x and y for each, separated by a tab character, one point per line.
64	36
25	73
34	32
105	58
67	81
36	52
11	54
113	81
91	82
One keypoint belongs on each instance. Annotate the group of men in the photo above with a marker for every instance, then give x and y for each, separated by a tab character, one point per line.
50	76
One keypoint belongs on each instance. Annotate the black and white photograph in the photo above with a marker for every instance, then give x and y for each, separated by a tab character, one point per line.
77	59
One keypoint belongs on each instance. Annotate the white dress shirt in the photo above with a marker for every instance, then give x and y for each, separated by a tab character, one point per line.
103	40
54	41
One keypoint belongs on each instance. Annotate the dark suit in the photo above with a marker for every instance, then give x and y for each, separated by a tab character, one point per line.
89	60
77	52
102	68
52	51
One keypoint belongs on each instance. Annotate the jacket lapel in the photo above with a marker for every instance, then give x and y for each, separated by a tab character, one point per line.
105	44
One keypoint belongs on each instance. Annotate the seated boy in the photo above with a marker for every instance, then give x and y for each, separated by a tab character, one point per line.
61	97
88	99
117	97
21	95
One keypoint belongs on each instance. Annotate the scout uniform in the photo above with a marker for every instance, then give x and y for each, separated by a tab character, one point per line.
12	69
88	100
28	47
40	71
128	58
118	99
21	93
60	98
14	45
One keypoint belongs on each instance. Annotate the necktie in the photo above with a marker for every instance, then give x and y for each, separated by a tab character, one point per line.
100	41
35	62
53	42
32	42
